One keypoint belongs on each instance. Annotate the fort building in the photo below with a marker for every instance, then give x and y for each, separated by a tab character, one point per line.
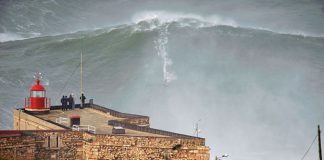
90	131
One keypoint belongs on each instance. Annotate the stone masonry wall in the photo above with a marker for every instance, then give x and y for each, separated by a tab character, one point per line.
35	145
69	147
77	145
17	147
136	147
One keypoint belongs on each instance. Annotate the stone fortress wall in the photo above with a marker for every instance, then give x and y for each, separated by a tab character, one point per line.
65	144
30	145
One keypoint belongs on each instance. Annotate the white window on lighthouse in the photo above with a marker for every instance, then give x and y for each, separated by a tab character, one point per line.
38	94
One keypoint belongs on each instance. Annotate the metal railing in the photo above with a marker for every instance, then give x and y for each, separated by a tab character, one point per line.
88	128
62	120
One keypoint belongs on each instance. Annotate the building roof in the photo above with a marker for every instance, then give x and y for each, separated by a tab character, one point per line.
91	117
103	120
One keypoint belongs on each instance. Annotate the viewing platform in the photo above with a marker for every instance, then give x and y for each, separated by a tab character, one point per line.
91	117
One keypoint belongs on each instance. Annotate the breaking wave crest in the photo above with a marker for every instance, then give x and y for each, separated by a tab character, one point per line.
150	20
158	18
184	19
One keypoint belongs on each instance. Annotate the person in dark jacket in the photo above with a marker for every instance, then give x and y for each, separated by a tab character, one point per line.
65	103
62	101
82	98
71	102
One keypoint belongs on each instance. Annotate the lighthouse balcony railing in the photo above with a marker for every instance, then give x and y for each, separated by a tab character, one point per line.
46	104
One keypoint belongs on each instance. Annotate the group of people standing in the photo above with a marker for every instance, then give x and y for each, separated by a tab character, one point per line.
68	102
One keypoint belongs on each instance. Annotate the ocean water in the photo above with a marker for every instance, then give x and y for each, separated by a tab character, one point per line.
251	72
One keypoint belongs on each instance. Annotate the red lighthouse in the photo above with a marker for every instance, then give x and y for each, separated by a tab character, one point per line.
37	100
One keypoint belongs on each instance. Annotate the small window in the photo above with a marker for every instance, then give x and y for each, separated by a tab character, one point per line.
37	93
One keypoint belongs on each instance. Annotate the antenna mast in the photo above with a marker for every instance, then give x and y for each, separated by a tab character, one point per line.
197	130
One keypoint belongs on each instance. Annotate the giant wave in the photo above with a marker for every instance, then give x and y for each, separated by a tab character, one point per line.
182	66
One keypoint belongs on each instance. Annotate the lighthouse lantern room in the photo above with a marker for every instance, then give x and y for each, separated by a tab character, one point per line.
37	100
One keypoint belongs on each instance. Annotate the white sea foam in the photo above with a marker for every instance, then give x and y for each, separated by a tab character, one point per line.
286	32
4	37
8	36
162	20
167	17
160	45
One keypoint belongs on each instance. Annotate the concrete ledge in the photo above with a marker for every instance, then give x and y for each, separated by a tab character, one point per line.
150	130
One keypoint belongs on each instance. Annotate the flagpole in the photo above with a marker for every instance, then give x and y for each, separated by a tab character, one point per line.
319	142
81	78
